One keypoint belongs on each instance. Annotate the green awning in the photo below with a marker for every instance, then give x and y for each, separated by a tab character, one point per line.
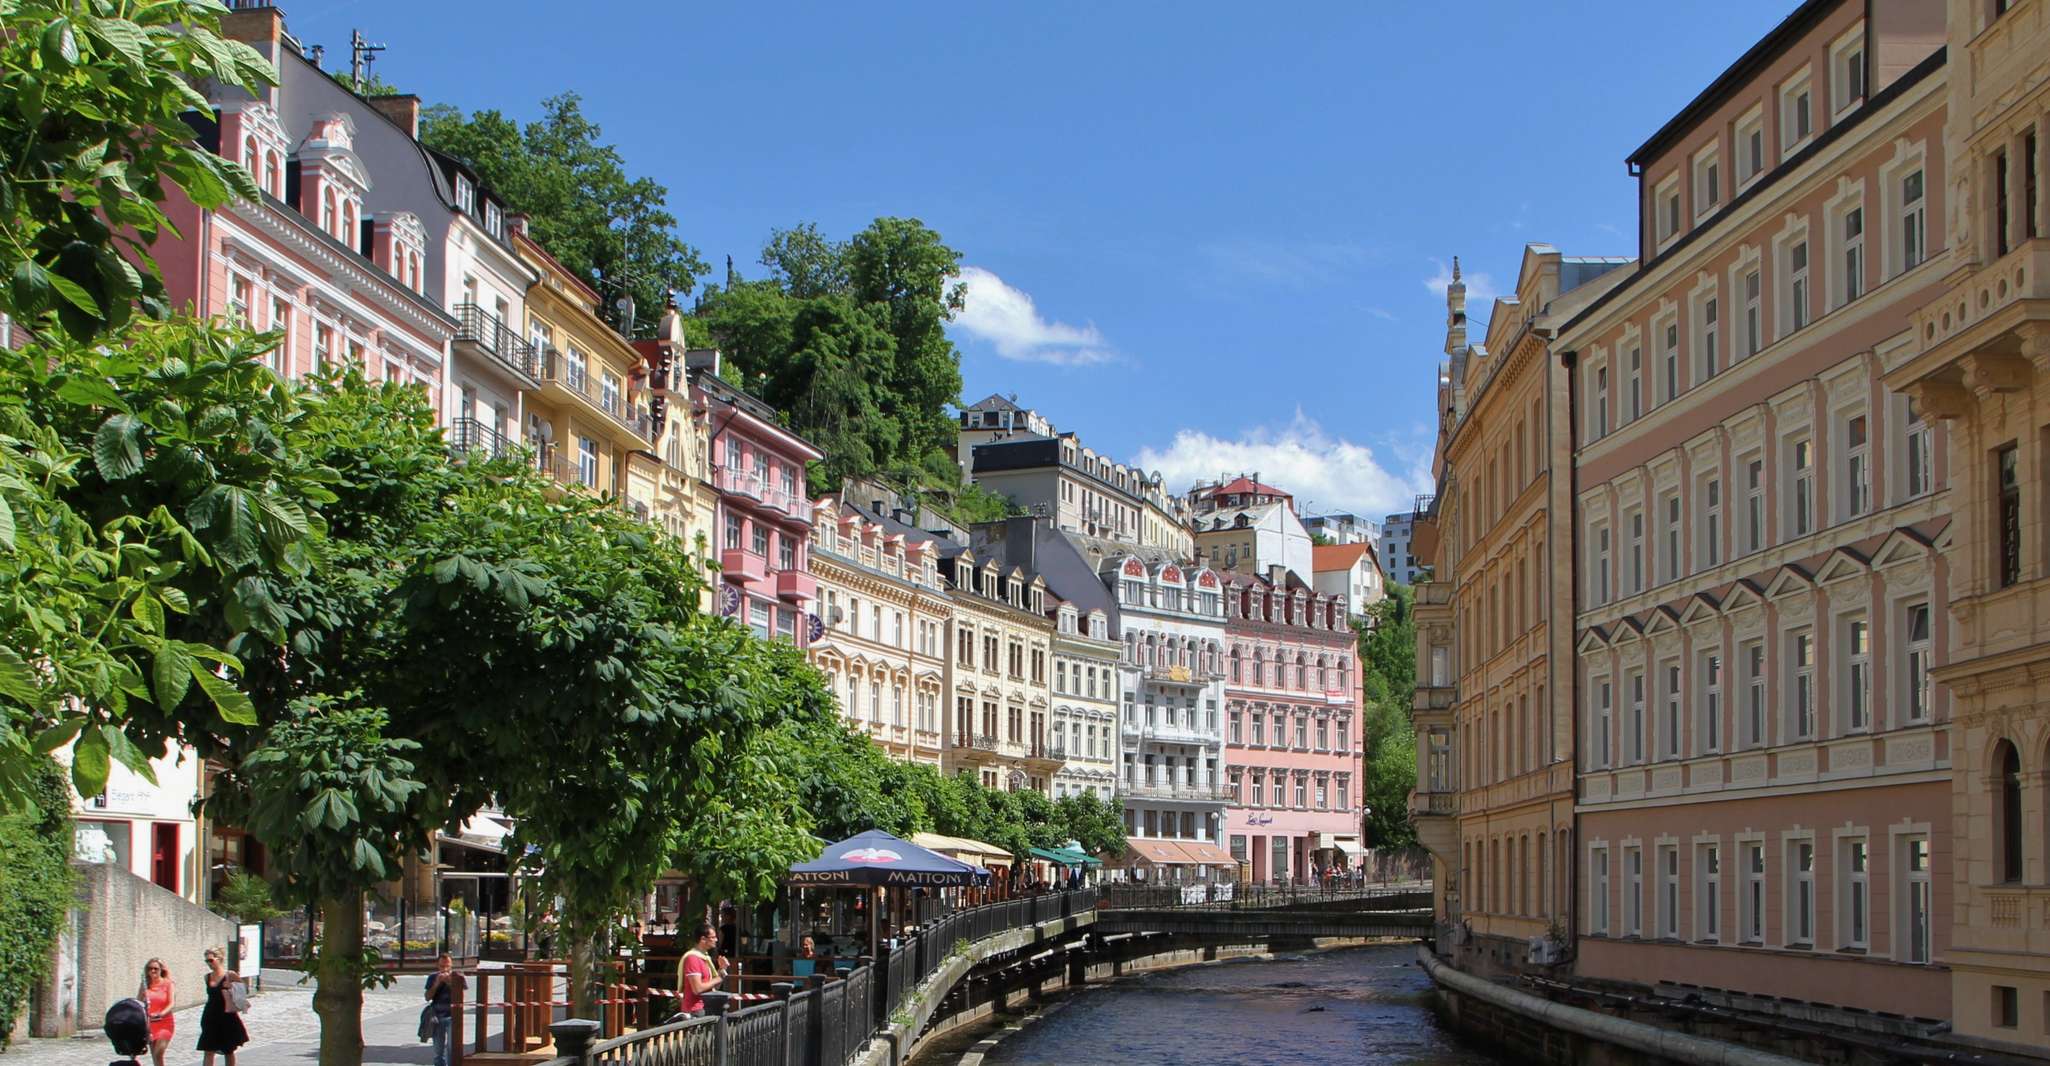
1065	857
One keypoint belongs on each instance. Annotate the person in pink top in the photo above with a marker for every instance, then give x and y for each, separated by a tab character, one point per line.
699	972
156	995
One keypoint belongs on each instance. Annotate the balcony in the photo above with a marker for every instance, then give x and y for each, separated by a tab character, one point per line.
748	483
1433	804
562	379
569	469
1180	793
1164	674
468	436
796	585
485	334
741	565
1428	699
1169	734
737	482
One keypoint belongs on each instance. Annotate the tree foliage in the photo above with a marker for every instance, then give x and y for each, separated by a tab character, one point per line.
847	339
1387	643
585	209
35	888
91	136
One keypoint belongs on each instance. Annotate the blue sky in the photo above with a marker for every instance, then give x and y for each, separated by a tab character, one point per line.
1203	239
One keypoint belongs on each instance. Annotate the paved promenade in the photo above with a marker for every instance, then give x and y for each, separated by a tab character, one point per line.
283	1031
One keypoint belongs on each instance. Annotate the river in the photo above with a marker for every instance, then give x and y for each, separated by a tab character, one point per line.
1334	1008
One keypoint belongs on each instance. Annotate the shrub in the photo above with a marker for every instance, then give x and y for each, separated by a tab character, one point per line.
246	899
35	890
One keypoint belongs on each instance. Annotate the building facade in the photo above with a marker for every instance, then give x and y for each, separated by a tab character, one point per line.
677	476
1246	526
995	418
1171	725
998	728
1977	364
1084	493
1349	572
1497	741
1292	739
762	515
588	416
1765	772
885	616
1397	548
1344	528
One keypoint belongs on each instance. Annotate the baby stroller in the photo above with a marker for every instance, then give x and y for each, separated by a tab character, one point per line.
127	1028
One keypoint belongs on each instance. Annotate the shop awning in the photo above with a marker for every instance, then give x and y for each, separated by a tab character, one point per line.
1177	852
971	851
1065	857
1207	854
877	858
1345	842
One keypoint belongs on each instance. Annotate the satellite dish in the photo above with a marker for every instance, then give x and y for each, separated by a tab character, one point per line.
544	430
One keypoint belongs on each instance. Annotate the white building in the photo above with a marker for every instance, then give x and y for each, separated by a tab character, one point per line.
1397	560
1344	528
149	829
1350	571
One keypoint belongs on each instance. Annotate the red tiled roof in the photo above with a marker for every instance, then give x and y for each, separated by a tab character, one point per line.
1244	484
1337	556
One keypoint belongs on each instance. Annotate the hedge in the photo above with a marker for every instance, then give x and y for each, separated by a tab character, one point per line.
35	892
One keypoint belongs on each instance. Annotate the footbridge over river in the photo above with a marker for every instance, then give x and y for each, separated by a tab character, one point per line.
976	960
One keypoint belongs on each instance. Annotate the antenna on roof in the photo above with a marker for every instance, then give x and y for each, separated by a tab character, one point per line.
361	54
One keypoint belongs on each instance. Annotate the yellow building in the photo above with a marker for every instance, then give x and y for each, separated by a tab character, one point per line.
1978	359
590	412
675	481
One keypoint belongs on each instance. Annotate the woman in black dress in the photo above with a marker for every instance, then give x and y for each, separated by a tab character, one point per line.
220	1027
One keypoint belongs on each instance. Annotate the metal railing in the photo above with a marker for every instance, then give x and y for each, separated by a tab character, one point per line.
471	435
498	340
557	369
1226	895
1200	793
825	1023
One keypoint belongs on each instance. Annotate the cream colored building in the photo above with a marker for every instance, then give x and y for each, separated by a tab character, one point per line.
590	412
674	481
884	617
1085	702
1976	359
998	669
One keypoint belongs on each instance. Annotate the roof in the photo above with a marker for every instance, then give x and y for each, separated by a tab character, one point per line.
1242	484
1338	556
1177	852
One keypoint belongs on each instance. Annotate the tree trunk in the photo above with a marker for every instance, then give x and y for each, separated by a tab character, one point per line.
583	957
338	999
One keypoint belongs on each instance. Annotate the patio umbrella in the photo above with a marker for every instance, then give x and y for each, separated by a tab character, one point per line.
877	859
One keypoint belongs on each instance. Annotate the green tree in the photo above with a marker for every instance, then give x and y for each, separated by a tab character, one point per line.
35	888
91	135
1097	825
585	209
1387	643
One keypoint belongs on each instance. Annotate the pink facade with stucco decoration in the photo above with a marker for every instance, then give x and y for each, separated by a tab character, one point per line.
339	281
762	519
1292	733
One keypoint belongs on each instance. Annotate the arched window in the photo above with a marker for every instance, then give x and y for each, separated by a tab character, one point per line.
349	223
249	154
2007	764
270	175
327	210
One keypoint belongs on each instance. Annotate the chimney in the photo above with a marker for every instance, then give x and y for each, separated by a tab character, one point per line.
518	220
257	27
1277	575
403	109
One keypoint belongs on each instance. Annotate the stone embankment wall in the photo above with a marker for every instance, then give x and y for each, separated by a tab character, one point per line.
121	922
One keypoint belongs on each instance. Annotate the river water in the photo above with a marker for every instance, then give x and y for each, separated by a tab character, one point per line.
1334	1008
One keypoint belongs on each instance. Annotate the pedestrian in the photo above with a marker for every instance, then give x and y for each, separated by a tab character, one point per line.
220	1023
807	948
698	973
729	933
442	986
157	995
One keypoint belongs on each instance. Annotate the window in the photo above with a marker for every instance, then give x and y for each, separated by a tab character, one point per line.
2006	1007
1919	480
1669	382
1801	908
732	532
1803	665
1599	756
1669	549
1601	566
1669	892
2007	767
1856	889
1797	116
1634	728
1636	550
1754	693
1636	383
1600	414
1857	468
1671	722
1711	702
238	300
608	393
1917	701
1750	144
1754	336
2007	461
1708	893
1598	900
1712	522
587	465
2000	209
786	553
1666	201
760	543
1847	72
1858	673
1633	892
1754	505
1801	516
466	195
1708	190
1914	220
1797	286
2029	184
1852	227
1753	918
1918	904
323	346
281	324
1711	353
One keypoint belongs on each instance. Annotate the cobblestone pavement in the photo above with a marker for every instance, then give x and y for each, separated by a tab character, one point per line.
283	1031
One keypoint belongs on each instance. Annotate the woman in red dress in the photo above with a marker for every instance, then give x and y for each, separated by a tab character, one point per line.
157	995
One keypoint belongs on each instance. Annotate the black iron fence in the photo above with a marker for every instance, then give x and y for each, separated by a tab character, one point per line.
825	1022
1229	896
497	338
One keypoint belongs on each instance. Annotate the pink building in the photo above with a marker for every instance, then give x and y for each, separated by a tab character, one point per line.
1292	741
762	518
318	256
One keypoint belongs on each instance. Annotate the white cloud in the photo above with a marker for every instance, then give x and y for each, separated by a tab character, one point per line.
1480	287
1324	473
1005	317
1382	313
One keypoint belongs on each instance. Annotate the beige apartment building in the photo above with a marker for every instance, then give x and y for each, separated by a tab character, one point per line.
997	726
881	638
1494	799
1976	360
1764	769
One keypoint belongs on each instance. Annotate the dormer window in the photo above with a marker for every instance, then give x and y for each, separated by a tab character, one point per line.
466	196
494	219
1666	209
